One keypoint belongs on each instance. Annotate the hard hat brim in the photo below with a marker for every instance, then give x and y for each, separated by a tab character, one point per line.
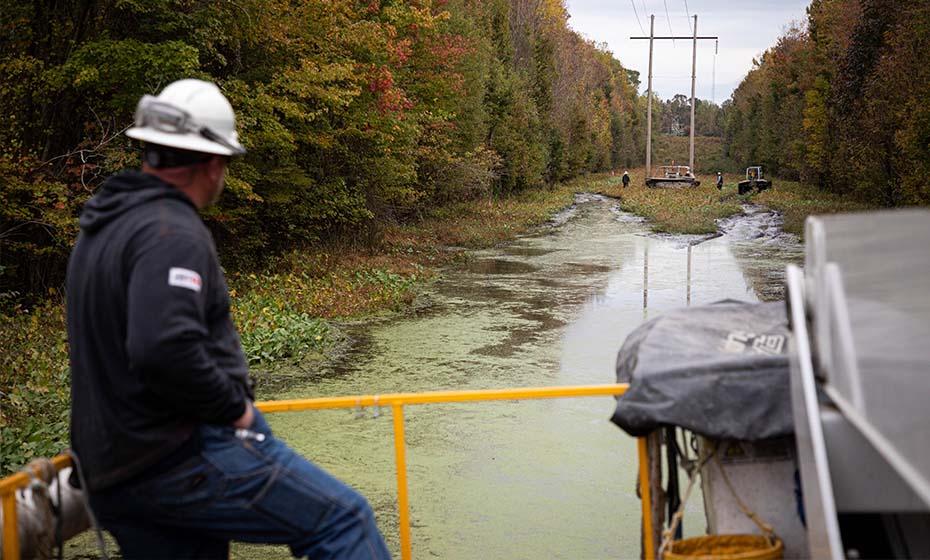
189	141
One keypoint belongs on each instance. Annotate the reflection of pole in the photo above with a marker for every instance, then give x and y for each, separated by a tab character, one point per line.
689	276
645	276
652	22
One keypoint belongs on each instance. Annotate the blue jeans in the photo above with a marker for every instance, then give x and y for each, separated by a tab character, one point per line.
239	488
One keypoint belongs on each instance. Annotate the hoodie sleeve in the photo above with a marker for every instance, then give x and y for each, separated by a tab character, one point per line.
167	334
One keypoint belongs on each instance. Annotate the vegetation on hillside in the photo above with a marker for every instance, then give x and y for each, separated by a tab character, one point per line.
841	104
357	113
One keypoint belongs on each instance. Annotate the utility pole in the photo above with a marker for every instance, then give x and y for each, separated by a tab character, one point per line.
695	38
693	76
652	23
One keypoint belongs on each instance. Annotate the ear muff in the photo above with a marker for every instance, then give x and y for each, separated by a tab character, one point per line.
162	157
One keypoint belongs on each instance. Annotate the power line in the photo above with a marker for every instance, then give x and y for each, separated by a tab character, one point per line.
669	20
633	2
688	13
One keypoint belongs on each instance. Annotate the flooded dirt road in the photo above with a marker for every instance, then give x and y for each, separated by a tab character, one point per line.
546	479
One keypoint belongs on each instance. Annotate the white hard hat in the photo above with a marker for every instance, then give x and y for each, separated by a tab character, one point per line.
189	115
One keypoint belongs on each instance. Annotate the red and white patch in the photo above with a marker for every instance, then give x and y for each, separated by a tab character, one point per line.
184	278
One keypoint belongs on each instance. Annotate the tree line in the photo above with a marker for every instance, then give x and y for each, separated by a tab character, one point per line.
356	113
841	102
674	116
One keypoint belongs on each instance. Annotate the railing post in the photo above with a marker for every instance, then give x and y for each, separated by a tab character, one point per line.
403	501
10	527
645	492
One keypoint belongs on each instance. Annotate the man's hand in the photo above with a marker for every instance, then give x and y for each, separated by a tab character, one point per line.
245	421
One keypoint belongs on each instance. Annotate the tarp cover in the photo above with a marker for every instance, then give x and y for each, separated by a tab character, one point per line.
720	370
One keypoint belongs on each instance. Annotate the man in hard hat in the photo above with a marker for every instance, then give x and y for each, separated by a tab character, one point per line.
626	179
174	458
719	181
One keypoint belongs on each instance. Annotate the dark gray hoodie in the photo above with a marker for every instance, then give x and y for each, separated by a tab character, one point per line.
153	348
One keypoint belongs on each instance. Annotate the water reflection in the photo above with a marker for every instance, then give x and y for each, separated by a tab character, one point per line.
645	280
762	249
550	479
688	297
499	266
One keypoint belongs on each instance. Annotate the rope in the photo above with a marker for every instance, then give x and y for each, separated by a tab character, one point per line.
767	530
668	532
765	527
101	544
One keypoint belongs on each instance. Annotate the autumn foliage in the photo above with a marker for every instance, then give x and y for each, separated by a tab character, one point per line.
841	102
356	113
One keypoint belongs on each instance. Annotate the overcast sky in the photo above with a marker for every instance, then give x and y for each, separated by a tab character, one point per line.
745	27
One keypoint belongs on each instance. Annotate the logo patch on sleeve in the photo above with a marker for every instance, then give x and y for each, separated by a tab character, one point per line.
184	278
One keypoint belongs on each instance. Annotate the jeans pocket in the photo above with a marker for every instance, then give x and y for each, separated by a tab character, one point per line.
236	456
189	487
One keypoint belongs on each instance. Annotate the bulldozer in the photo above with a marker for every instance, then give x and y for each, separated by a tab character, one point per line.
754	181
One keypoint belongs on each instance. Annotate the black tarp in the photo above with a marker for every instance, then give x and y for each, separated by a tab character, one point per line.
720	370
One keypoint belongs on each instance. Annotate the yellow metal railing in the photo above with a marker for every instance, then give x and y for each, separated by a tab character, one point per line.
396	401
8	488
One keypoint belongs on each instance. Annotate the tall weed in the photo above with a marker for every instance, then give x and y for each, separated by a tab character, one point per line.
34	384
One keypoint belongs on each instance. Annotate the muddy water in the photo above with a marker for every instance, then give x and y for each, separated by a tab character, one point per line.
547	479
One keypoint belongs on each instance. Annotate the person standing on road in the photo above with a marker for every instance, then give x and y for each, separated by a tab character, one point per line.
626	179
176	460
719	181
